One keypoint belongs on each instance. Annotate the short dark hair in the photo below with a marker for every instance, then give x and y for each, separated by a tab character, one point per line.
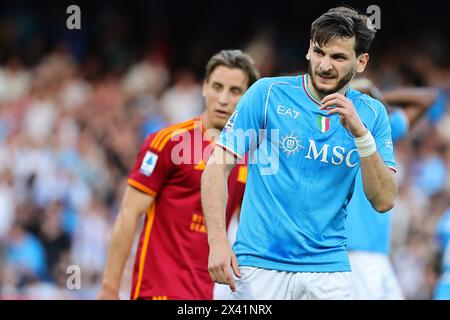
233	59
344	22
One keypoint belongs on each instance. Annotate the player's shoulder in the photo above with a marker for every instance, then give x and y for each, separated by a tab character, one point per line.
267	83
159	140
366	104
398	118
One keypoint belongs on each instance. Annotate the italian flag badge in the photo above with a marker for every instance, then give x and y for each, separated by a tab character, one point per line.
323	123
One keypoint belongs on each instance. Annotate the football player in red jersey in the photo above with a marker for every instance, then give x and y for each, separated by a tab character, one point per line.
172	256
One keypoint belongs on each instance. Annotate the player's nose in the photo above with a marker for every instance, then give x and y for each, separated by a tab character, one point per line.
325	65
224	98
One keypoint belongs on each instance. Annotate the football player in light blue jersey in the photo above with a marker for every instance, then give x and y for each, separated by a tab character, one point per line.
306	137
442	290
368	232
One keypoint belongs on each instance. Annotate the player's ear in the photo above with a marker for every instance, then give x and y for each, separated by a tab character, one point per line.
361	63
308	54
204	87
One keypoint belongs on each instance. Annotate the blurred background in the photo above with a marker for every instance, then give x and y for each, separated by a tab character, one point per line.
75	106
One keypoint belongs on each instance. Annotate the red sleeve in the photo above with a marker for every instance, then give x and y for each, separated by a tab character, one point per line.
152	166
236	188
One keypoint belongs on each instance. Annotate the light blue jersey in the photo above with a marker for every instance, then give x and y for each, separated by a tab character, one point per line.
442	291
301	174
438	109
368	230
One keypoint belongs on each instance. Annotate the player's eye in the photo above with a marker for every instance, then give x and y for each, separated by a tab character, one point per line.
236	91
318	51
217	86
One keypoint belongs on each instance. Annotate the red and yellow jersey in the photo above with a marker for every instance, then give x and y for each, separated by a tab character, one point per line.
172	256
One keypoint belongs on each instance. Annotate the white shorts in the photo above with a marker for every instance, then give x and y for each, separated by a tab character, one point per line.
221	291
373	277
263	284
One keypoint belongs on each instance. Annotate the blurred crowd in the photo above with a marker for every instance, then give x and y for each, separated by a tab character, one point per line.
67	145
424	178
68	140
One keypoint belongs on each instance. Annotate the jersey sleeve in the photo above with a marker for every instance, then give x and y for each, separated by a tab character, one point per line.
383	137
152	166
243	128
399	124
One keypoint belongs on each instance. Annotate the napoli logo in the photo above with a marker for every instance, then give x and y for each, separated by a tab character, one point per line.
290	144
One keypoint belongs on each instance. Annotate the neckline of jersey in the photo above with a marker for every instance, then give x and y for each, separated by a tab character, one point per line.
308	92
305	78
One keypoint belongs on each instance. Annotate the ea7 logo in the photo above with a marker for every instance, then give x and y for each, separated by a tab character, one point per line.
287	112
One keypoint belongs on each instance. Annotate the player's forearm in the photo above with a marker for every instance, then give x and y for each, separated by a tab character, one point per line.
119	249
379	183
214	197
420	97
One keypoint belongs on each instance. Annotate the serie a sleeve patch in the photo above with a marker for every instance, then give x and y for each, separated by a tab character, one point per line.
148	163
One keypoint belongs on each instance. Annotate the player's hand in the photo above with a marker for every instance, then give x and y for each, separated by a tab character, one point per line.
221	256
106	294
347	113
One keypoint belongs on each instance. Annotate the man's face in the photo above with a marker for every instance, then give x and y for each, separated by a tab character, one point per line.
333	65
222	92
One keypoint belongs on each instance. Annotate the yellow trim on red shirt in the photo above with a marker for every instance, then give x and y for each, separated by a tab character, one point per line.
141	187
167	131
160	298
174	133
242	174
148	229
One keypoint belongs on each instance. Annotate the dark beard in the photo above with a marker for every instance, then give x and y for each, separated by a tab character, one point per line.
342	83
